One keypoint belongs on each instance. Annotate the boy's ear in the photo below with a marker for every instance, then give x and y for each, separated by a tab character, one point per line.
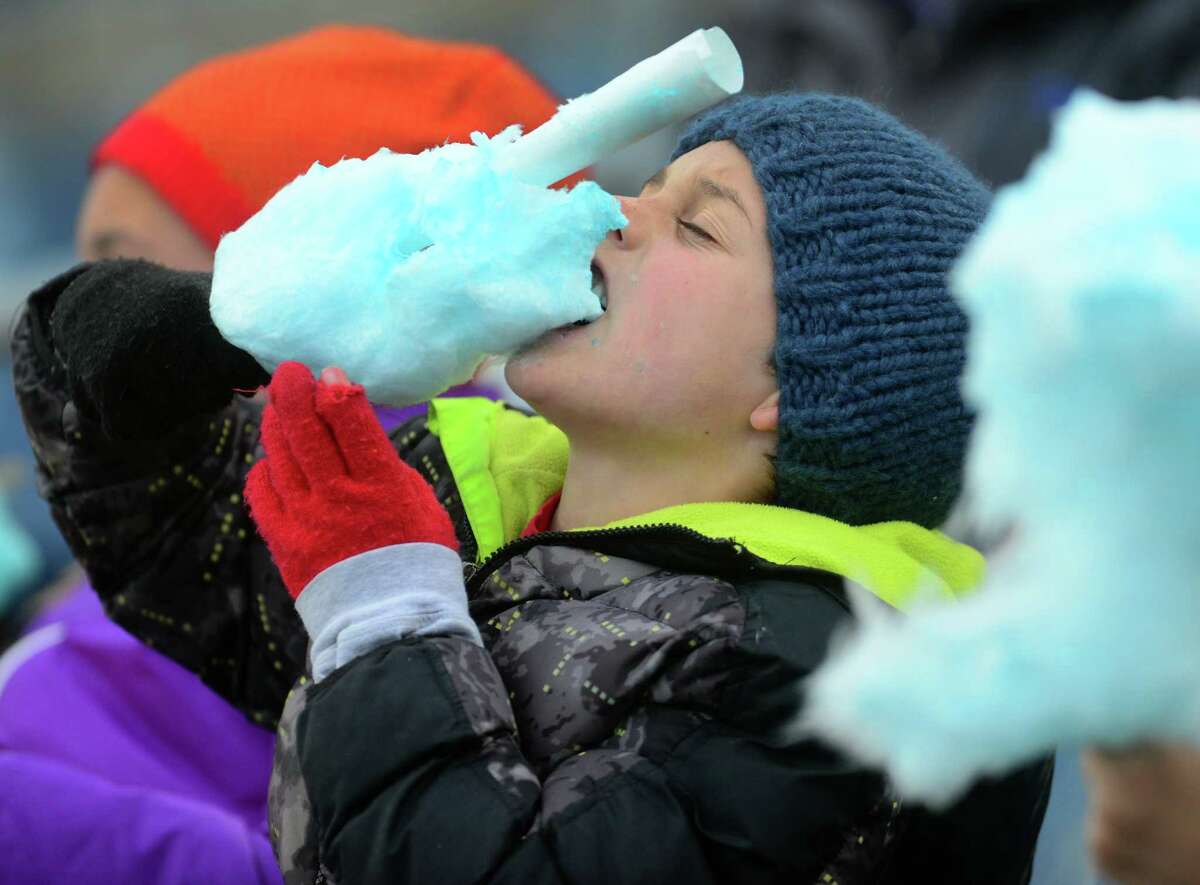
766	414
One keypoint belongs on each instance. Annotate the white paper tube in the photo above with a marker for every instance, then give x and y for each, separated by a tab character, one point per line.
689	76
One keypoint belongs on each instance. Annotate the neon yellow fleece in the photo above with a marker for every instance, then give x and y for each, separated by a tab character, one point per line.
507	464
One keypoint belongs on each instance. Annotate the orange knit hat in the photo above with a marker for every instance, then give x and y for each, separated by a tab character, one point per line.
218	141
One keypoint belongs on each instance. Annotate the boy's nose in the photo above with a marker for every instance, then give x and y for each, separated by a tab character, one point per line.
637	229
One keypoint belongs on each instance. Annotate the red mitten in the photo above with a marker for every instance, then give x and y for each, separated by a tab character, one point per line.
331	485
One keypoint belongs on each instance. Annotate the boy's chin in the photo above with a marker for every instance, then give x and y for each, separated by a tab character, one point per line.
549	367
540	379
535	355
524	373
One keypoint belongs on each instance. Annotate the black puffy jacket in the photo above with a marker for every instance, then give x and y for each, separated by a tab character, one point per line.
620	723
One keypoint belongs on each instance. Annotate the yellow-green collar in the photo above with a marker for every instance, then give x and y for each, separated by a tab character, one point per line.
894	560
506	465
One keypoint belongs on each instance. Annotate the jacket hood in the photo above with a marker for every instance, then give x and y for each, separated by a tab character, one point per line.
506	464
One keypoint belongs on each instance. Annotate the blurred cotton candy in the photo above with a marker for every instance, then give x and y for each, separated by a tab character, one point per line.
1083	288
19	558
407	269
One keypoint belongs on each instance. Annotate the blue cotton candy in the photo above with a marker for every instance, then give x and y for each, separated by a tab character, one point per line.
19	559
1083	289
406	270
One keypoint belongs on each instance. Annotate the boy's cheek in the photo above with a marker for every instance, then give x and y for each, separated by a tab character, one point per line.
662	303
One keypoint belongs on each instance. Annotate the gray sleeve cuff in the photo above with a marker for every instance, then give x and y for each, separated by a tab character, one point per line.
368	600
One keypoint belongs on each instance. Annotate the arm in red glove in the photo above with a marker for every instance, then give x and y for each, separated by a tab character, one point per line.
362	542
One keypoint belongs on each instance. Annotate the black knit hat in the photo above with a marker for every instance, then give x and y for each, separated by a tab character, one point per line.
865	218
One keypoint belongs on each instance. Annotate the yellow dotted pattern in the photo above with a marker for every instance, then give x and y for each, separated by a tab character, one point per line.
262	613
261	600
158	618
506	587
827	878
613	629
231	523
507	624
588	685
177	473
562	664
226	424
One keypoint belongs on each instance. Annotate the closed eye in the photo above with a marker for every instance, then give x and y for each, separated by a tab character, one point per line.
696	230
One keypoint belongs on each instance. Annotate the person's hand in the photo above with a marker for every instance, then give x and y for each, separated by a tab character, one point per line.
1144	814
331	485
141	351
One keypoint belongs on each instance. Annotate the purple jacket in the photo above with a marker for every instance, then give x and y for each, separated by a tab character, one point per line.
118	765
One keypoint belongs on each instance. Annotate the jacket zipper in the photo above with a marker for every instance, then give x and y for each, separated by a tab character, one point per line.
580	539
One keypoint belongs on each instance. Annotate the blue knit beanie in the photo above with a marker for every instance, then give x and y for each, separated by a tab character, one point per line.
865	218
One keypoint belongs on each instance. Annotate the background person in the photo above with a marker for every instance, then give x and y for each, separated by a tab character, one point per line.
1144	813
118	764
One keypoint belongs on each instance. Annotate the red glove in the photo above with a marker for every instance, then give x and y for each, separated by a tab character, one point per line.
331	485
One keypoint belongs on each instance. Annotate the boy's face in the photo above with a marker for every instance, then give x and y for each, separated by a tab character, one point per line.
683	352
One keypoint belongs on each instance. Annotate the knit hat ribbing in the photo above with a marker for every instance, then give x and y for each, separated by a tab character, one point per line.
219	140
865	218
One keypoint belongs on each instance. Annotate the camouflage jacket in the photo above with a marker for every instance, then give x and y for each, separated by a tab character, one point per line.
619	723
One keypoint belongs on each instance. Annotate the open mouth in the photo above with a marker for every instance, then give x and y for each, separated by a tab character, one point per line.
599	289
